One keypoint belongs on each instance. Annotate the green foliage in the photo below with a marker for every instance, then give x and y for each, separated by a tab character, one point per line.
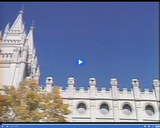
28	104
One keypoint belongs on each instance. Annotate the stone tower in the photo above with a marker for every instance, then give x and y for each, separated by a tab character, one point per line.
18	54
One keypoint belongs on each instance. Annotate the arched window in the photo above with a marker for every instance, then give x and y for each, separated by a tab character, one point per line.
81	108
127	110
104	109
149	110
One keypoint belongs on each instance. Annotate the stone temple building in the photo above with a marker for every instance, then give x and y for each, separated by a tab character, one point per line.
18	54
19	61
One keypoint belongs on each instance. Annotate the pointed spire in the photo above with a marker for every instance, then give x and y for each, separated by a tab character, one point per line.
33	54
7	27
37	74
17	25
23	26
36	60
6	31
34	51
0	33
38	71
30	39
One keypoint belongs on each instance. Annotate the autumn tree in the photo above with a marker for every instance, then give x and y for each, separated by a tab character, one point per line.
1	106
28	103
53	106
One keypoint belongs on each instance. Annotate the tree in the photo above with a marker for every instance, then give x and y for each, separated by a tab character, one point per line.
1	106
28	103
53	106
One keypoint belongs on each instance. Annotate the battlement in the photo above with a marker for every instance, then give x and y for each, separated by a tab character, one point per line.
113	92
121	104
113	82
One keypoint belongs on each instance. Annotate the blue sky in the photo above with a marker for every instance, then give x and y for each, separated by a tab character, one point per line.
118	40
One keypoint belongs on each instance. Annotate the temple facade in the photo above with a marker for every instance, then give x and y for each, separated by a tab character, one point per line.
110	104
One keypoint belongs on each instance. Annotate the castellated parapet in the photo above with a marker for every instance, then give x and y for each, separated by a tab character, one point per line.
112	104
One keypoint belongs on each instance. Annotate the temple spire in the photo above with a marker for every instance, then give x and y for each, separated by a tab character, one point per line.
38	71
0	33
30	38
0	36
18	23
7	28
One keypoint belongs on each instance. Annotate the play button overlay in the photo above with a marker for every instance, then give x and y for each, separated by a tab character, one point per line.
80	62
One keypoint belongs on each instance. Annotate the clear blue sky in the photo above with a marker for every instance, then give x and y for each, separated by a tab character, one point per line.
117	39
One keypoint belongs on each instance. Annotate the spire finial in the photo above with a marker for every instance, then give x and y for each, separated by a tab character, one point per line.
32	26
22	9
